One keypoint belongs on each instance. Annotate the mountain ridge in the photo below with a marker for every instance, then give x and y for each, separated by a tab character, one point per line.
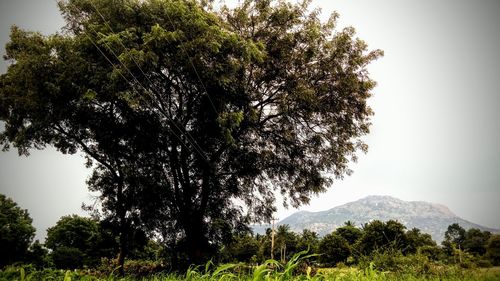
429	217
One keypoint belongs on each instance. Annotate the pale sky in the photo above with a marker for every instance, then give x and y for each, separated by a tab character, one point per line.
435	132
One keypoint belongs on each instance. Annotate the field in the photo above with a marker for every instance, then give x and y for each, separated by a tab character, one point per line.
224	274
271	270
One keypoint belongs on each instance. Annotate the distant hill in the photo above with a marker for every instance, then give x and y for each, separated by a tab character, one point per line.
428	217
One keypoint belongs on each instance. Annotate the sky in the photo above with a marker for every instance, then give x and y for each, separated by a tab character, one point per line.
435	135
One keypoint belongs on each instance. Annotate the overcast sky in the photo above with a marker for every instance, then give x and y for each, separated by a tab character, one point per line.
435	134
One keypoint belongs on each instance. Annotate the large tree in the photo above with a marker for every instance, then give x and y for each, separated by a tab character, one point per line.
193	118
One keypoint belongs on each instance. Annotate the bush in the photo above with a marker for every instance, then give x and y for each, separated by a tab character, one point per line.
434	253
394	261
134	268
30	272
67	258
484	263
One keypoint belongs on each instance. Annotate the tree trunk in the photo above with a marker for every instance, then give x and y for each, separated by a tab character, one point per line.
197	246
121	258
122	231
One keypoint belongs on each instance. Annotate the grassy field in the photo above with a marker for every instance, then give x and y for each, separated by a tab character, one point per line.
271	270
262	273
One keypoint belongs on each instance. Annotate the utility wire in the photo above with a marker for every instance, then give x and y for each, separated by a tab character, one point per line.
192	64
138	82
146	76
130	83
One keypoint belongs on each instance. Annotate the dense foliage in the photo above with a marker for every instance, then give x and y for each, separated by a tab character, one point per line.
272	270
77	242
181	109
16	232
493	249
73	241
185	114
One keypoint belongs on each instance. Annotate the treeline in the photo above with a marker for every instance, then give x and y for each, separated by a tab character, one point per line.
74	242
376	240
79	242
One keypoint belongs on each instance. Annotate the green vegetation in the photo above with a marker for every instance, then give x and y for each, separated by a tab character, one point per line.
376	251
16	232
270	270
184	114
180	109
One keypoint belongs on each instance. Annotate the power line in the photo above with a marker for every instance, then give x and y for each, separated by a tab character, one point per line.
138	82
194	143
194	68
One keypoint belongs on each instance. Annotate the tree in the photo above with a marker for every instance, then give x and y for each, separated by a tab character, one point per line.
38	255
62	74
243	248
334	249
453	238
382	236
16	231
285	242
349	232
493	249
415	240
182	109
73	242
308	240
475	241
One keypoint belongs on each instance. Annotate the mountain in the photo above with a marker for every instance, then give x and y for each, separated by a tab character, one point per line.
428	217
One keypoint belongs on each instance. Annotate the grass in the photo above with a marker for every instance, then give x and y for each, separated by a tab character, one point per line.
271	270
264	273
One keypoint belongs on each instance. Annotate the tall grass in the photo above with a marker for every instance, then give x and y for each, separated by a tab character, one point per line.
296	269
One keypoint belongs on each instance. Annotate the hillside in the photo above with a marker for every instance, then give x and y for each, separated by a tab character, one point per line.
428	217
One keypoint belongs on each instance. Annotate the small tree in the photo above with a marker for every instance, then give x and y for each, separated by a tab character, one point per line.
334	249
378	235
453	240
38	255
243	248
73	241
308	240
349	232
16	231
285	242
475	241
493	249
415	240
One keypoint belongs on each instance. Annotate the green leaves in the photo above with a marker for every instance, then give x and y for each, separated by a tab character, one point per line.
16	231
229	122
90	95
159	37
183	108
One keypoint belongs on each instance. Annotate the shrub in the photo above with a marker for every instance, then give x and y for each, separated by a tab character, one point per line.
134	268
484	263
434	253
67	258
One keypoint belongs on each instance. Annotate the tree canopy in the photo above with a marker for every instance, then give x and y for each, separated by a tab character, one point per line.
73	241
192	119
16	231
453	238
